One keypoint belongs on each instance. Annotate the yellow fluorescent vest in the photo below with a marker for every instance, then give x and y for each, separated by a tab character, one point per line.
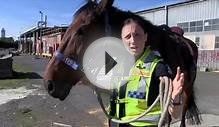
137	89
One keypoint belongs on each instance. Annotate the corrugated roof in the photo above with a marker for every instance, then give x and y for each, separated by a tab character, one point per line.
170	5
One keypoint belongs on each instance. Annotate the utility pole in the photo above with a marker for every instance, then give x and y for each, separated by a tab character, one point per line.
41	24
166	14
41	14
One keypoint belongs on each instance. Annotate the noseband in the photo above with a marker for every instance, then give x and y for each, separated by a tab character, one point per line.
73	64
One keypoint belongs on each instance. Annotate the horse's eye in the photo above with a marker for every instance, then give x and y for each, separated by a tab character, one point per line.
80	31
83	22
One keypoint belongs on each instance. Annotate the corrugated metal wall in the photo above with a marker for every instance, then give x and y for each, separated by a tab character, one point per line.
188	12
208	59
156	17
200	10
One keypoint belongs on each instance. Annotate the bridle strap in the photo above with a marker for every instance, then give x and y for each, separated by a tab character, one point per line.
68	61
72	63
107	25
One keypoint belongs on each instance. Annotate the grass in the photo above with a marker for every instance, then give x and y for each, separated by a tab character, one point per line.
26	117
14	83
20	68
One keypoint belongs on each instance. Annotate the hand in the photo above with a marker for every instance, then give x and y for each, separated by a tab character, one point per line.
178	83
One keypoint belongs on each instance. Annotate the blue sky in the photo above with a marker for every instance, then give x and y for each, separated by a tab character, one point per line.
16	16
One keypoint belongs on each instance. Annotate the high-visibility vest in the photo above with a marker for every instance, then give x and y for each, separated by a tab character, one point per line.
137	89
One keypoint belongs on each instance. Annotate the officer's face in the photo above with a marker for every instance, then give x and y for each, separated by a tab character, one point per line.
134	38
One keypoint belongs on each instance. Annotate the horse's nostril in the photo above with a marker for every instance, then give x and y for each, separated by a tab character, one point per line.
50	86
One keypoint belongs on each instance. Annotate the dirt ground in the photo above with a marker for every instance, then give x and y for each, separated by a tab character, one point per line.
25	103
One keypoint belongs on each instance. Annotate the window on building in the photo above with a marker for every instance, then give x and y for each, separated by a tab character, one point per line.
207	25
197	41
217	42
211	24
196	26
215	24
184	26
192	26
215	21
199	26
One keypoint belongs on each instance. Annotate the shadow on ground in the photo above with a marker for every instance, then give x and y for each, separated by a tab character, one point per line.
25	75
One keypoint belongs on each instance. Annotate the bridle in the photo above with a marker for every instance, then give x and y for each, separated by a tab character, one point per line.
74	64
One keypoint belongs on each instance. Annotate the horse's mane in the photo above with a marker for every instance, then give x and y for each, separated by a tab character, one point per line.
118	15
157	37
88	6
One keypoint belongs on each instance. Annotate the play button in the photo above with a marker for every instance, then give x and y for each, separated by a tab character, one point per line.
107	63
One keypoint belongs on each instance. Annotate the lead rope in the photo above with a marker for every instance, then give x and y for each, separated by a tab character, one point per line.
165	92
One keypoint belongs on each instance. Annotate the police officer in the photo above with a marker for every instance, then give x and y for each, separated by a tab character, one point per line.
139	93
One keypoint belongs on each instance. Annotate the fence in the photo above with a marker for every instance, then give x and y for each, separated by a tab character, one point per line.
208	60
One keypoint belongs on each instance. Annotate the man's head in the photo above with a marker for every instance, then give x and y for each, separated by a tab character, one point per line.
134	37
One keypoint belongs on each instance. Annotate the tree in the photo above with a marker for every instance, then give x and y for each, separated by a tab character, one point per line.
7	39
8	43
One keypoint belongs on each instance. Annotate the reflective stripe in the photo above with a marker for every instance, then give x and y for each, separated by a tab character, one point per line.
125	78
140	72
70	62
147	65
150	118
142	85
121	101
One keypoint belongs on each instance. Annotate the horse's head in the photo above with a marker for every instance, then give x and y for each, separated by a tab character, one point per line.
65	68
91	21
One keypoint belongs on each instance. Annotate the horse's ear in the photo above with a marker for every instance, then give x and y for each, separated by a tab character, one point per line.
95	1
104	4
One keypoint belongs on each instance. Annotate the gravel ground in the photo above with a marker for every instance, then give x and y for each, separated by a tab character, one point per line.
33	107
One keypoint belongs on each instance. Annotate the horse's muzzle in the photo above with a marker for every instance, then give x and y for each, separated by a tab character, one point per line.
51	88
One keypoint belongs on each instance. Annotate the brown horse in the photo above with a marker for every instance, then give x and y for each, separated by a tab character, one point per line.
95	20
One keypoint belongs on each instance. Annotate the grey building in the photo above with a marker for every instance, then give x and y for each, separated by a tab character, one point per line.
198	18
